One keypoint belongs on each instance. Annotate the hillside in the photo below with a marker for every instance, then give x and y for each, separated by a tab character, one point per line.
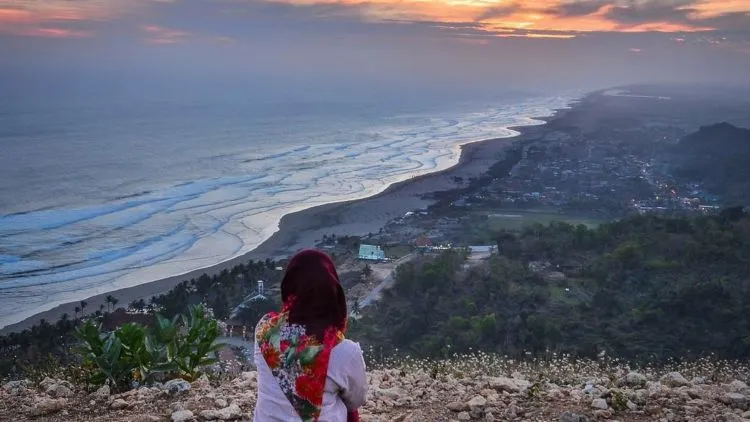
716	156
646	288
478	387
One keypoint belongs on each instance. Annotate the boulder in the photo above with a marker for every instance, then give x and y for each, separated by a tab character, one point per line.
45	406
177	385
119	404
735	401
102	392
220	403
674	380
735	386
477	401
457	406
511	385
573	417
634	379
464	416
201	383
228	413
15	387
182	416
599	404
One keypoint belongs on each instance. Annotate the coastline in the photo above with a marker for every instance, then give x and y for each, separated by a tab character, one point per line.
355	217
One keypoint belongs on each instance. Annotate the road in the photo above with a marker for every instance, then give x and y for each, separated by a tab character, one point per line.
387	278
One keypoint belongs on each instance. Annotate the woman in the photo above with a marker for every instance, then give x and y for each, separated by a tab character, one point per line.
307	370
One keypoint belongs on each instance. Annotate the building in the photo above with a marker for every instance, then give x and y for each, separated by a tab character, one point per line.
371	253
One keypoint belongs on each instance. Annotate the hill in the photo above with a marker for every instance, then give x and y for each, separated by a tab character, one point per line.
646	288
717	157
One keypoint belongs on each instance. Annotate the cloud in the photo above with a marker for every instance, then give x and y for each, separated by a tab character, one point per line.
578	8
501	11
160	35
641	12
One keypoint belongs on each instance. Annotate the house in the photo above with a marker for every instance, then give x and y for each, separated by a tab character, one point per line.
371	253
423	242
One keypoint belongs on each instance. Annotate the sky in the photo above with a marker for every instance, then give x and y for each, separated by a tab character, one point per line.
361	48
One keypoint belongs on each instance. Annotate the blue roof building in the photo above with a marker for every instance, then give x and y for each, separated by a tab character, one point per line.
371	253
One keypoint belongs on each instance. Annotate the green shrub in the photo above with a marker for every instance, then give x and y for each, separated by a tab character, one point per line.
173	348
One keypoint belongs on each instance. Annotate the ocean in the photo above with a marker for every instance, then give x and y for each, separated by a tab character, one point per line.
100	196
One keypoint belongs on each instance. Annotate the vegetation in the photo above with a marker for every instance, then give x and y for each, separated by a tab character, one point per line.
21	353
645	288
717	157
176	347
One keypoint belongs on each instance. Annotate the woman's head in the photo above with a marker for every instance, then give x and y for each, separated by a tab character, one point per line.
313	294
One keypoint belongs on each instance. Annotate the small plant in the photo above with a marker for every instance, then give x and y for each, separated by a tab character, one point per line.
619	401
173	348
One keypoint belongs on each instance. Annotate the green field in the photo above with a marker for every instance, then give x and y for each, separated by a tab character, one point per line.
517	219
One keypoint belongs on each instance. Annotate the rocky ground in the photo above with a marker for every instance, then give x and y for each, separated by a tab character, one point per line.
445	392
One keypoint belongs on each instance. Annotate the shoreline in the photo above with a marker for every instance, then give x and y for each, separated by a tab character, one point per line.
354	217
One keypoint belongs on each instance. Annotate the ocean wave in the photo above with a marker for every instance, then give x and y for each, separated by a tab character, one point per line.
53	256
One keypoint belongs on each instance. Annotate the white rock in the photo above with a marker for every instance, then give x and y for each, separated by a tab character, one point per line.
477	401
102	392
15	387
221	403
45	406
674	379
118	404
735	386
635	379
735	400
177	385
600	404
226	414
511	385
464	416
457	406
182	416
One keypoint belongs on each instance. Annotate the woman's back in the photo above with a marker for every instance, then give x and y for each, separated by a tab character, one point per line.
345	387
307	370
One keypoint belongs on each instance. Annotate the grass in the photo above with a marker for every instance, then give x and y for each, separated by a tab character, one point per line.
518	219
397	251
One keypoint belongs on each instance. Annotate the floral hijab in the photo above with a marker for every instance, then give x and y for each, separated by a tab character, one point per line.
297	342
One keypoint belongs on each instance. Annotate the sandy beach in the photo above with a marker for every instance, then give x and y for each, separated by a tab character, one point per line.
305	228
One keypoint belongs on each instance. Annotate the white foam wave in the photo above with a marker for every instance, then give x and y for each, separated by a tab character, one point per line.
55	256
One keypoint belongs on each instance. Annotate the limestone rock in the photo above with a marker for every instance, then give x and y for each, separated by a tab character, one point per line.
735	401
119	404
634	379
177	385
736	386
182	416
228	413
477	401
573	417
102	392
201	383
221	403
16	387
45	406
464	416
674	380
599	404
511	385
457	406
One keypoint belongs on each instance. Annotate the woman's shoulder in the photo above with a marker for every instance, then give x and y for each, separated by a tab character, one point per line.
347	347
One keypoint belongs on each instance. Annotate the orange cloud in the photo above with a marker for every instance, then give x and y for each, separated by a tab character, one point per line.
563	16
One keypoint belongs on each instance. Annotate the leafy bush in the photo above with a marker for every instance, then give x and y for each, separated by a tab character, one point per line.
175	347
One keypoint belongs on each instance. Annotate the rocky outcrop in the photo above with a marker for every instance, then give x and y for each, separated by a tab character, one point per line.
413	394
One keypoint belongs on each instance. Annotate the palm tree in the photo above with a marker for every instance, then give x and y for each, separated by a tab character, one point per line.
356	306
77	310
110	300
83	305
114	303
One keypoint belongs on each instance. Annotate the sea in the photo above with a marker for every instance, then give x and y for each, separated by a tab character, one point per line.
99	196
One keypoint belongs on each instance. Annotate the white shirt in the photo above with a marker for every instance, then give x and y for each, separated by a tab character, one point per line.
346	387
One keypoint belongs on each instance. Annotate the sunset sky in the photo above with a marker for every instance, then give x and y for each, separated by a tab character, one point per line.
463	44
